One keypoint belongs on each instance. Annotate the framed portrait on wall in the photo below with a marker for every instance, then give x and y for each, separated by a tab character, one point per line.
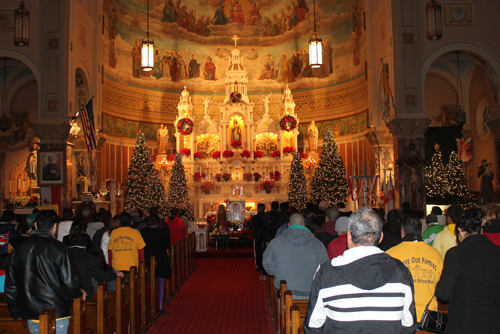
7	20
50	168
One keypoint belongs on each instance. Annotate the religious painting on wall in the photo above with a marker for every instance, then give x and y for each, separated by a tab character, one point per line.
266	142
50	168
236	210
207	144
272	37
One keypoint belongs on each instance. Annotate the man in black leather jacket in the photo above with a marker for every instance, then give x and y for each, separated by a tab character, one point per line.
42	275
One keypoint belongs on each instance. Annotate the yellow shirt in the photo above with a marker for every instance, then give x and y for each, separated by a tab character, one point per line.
425	264
445	239
125	242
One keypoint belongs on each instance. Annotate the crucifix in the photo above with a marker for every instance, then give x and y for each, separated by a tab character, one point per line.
364	178
235	39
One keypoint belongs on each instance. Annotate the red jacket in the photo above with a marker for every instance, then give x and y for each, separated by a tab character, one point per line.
337	247
177	229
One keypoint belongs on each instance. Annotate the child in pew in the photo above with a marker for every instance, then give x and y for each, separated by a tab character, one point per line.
88	266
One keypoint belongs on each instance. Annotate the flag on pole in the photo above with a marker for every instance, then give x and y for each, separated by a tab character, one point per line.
87	117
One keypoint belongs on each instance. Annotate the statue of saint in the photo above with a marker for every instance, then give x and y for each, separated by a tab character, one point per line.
162	137
265	99
31	164
236	131
206	102
312	135
222	219
81	185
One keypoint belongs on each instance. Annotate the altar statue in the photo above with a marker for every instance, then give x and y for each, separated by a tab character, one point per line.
265	99
206	103
312	134
81	185
31	164
162	137
222	220
236	131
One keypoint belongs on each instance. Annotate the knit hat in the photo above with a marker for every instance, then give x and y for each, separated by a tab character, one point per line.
342	224
432	218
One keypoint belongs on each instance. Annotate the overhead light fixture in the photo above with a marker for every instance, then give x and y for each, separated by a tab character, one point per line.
315	46
22	26
460	116
434	21
148	49
4	119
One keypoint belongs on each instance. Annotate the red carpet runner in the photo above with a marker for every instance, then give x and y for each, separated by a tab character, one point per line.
223	296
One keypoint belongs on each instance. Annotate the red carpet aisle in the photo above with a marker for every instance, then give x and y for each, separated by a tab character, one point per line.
223	296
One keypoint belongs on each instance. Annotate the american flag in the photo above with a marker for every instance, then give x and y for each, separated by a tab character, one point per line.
87	117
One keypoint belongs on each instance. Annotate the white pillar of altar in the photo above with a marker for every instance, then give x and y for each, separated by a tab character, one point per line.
177	142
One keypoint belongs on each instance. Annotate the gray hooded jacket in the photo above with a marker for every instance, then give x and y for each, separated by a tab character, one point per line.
294	256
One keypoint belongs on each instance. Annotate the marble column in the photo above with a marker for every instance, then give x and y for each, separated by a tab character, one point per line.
383	147
409	146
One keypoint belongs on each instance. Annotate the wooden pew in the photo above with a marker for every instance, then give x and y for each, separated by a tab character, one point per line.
6	321
78	321
174	263
283	288
301	305
99	313
273	303
121	305
295	320
135	302
47	323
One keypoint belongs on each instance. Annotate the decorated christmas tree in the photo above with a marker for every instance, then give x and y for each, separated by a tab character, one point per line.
297	187
436	177
178	196
143	189
329	182
457	186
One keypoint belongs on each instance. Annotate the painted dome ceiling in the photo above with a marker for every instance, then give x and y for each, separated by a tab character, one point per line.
193	43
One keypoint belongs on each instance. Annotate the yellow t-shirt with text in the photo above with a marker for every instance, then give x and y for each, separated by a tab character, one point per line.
425	264
125	242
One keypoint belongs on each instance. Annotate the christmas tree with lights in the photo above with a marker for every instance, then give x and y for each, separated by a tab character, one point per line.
297	187
178	196
329	182
143	189
457	186
436	177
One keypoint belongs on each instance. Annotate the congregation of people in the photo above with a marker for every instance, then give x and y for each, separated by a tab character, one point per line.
372	272
53	259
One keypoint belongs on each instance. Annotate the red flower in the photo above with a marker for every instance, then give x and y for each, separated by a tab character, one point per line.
153	158
246	154
198	155
236	143
171	157
258	154
288	123
216	154
185	126
303	155
276	154
185	151
228	154
197	176
288	149
226	176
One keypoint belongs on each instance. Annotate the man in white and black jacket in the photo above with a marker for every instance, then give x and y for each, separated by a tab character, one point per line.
364	290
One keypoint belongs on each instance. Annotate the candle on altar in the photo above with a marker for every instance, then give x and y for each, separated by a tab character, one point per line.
207	163
18	184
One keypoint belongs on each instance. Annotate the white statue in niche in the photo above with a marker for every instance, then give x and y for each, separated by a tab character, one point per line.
265	99
206	103
312	134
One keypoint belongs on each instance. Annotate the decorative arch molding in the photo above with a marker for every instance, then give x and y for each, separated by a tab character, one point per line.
83	68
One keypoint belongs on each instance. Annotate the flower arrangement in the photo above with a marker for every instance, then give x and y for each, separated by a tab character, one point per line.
226	176
267	185
185	126
288	123
248	176
303	155
276	175
86	209
207	186
257	154
153	158
276	154
186	152
20	201
236	143
211	222
256	176
235	97
33	202
235	224
198	176
228	154
198	155
216	155
217	177
246	154
288	149
171	157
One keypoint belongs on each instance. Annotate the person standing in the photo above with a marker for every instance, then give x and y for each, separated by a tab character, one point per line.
30	290
257	222
177	226
446	239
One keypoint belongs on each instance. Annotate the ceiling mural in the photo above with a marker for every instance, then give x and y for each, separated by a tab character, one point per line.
193	42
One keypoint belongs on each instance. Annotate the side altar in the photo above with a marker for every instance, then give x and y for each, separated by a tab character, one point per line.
237	158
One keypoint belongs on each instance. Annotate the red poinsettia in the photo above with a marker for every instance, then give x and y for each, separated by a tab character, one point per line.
198	176
247	176
276	175
303	155
276	154
216	155
236	143
198	155
288	149
226	176
218	176
228	154
185	151
171	157
258	154
246	154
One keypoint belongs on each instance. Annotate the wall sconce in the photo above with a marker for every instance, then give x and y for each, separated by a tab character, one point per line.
434	21
22	26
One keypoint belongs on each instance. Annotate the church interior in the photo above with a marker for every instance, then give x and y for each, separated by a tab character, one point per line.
231	86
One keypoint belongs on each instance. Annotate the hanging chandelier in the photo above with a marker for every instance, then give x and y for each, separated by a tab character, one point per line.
22	26
315	46
148	49
434	21
4	119
461	116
